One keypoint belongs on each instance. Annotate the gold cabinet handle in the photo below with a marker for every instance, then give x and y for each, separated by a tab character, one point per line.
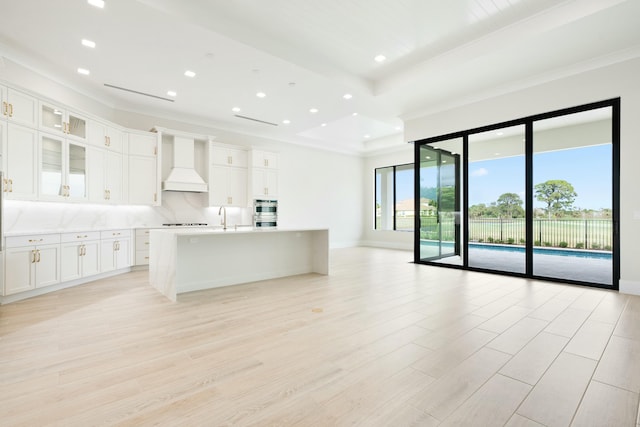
115	234
10	186
10	110
84	250
82	237
33	256
5	108
38	253
35	240
4	185
106	141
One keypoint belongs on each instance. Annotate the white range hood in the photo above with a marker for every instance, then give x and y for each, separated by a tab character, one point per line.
183	175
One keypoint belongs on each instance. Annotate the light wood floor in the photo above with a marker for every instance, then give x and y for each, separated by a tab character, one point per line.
378	342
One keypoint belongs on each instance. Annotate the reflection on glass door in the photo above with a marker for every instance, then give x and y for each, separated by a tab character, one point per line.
497	190
573	197
440	203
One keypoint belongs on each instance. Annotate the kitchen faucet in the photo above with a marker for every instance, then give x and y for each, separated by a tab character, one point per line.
224	219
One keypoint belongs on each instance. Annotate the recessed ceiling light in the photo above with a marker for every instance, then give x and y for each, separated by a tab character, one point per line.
236	109
427	157
354	114
323	124
189	73
286	122
171	93
261	94
96	3
367	136
347	96
313	110
88	43
83	71
380	58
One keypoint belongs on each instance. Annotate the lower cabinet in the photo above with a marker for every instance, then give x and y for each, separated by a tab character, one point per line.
80	255
142	246
38	260
115	250
31	262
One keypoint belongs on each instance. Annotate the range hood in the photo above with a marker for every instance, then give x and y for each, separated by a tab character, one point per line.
183	175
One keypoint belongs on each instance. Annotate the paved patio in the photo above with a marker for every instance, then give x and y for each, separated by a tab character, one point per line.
591	270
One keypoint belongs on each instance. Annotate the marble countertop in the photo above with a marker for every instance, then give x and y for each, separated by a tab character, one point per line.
200	231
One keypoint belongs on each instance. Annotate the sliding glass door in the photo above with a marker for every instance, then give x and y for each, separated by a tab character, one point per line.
439	195
573	197
497	190
535	197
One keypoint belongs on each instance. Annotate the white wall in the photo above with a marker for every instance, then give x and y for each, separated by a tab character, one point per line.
619	80
316	188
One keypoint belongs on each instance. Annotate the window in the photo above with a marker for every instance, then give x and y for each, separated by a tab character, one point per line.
394	207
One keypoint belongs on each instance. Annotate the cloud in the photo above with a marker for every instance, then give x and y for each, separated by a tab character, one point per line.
480	172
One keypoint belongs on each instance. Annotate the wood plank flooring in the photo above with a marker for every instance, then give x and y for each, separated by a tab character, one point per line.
378	342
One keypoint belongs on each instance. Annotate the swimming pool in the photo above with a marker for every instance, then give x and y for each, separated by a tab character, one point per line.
578	253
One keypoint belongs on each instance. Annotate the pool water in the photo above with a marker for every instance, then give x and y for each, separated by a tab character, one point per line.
579	253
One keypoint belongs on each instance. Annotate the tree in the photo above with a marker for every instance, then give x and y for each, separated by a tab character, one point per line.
509	205
558	194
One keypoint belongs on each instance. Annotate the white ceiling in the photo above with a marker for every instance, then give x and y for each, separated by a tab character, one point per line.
309	53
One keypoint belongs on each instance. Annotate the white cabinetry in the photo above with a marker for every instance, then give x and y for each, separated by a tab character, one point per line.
31	262
115	250
143	176
142	246
79	255
105	175
105	136
227	176
62	121
18	107
263	174
62	169
20	158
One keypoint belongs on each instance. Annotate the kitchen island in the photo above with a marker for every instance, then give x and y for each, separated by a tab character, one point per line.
191	259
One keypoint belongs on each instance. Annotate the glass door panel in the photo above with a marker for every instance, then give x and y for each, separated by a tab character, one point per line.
573	197
440	228
51	166
497	194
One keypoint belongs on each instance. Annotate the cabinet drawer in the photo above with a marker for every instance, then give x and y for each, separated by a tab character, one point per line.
32	240
142	243
142	257
144	231
114	234
79	237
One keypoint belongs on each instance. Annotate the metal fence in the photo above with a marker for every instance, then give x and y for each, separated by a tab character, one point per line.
596	234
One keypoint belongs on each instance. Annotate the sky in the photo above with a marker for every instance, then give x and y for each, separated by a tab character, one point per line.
588	169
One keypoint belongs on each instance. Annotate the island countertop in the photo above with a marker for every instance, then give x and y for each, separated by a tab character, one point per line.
190	259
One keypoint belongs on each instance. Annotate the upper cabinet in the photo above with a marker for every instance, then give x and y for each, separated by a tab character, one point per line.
227	175
105	136
143	169
18	107
264	159
20	161
62	169
59	120
263	175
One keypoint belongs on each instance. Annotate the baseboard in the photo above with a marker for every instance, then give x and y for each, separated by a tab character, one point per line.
71	283
631	287
387	245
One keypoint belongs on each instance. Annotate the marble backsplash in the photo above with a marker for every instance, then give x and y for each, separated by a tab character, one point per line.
28	217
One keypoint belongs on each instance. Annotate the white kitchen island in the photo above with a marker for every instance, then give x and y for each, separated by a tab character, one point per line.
191	259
